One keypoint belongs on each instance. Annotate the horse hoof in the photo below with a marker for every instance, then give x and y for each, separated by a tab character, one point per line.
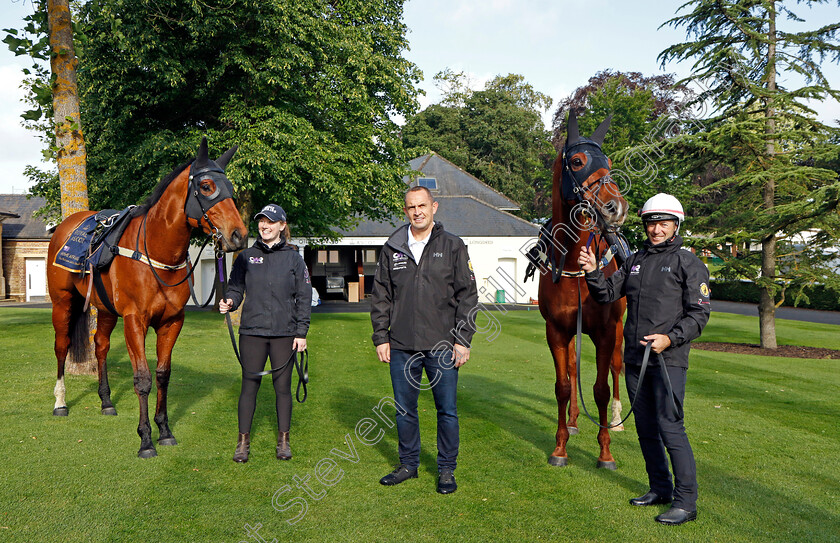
60	411
607	465
147	453
619	428
109	411
167	441
573	430
558	460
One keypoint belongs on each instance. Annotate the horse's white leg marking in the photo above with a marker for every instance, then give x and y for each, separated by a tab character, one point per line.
59	392
616	416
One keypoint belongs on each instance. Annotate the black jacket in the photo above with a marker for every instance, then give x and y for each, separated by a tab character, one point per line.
278	287
667	292
415	307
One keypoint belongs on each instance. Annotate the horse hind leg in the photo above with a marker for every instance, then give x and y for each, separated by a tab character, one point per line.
63	314
615	369
559	346
105	323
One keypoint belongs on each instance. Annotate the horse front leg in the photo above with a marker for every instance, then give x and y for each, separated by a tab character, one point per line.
105	323
574	410
559	345
166	336
601	390
135	341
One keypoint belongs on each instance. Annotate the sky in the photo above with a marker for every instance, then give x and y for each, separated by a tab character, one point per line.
556	45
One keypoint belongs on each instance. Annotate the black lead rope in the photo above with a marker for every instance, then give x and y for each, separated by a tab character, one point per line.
301	364
676	411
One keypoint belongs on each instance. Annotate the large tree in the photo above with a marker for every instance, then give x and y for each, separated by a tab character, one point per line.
756	153
496	134
306	89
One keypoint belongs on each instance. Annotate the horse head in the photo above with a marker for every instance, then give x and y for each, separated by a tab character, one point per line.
586	176
210	203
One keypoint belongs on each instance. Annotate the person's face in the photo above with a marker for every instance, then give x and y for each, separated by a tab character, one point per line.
270	231
420	210
660	231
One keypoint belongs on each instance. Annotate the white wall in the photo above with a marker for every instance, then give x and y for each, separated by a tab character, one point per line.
492	259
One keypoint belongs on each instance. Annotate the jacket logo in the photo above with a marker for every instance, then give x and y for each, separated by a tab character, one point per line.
256	260
666	269
704	290
437	255
400	257
635	269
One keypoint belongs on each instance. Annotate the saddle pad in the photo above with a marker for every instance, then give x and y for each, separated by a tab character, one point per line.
74	252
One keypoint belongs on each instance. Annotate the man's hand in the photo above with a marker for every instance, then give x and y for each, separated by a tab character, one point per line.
586	259
225	305
460	355
660	342
299	344
383	351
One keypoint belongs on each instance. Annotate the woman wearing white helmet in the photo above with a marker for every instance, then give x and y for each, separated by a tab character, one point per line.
667	307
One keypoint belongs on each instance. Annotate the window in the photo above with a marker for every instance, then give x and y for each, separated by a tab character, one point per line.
428	182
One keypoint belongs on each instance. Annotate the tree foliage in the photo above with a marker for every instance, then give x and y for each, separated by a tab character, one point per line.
306	89
756	155
496	134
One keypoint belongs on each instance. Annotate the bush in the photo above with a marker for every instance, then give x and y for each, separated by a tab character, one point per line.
819	297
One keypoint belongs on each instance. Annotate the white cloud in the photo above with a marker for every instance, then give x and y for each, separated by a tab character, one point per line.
18	147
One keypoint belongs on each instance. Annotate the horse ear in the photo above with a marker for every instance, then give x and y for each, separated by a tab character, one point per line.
223	160
601	131
202	157
572	131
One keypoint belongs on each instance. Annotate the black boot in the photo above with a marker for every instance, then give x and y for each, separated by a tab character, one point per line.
243	447
284	452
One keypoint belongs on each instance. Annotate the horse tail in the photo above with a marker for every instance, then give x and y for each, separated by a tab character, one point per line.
79	330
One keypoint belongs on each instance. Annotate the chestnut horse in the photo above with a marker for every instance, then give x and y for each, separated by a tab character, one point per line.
585	201
196	195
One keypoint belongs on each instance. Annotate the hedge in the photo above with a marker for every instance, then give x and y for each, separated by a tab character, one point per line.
746	291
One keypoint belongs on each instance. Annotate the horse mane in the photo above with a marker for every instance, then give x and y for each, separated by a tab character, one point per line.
158	191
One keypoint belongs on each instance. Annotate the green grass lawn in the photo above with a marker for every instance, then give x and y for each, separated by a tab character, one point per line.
764	431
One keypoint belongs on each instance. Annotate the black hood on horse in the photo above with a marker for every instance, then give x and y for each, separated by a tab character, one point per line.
573	181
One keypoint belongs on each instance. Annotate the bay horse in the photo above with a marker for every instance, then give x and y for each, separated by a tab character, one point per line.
195	195
585	200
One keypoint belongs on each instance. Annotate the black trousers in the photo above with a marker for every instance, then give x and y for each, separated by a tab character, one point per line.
660	430
254	350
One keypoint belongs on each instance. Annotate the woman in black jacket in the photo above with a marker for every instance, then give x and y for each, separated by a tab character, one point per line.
274	322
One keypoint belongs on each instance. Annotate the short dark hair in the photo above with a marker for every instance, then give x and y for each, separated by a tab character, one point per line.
418	188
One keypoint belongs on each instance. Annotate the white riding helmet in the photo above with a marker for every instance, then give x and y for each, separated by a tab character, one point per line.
662	207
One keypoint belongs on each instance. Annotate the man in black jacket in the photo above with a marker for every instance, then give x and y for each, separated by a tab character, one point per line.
667	292
422	310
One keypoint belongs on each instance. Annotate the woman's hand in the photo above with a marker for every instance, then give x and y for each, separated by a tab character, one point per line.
586	259
225	305
299	344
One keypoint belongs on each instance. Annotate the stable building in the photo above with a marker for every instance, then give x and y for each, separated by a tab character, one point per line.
23	251
497	240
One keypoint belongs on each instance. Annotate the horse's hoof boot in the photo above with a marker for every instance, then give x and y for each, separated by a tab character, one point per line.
109	411
60	412
558	460
573	431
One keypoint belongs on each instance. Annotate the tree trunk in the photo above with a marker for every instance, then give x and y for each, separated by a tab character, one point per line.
767	305
71	158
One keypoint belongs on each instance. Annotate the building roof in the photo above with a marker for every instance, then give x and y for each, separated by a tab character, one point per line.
22	225
464	216
453	181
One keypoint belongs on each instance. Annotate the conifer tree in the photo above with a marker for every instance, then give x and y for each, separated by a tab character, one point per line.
767	209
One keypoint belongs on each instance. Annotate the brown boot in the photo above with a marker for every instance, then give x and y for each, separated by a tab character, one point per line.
284	452
243	447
